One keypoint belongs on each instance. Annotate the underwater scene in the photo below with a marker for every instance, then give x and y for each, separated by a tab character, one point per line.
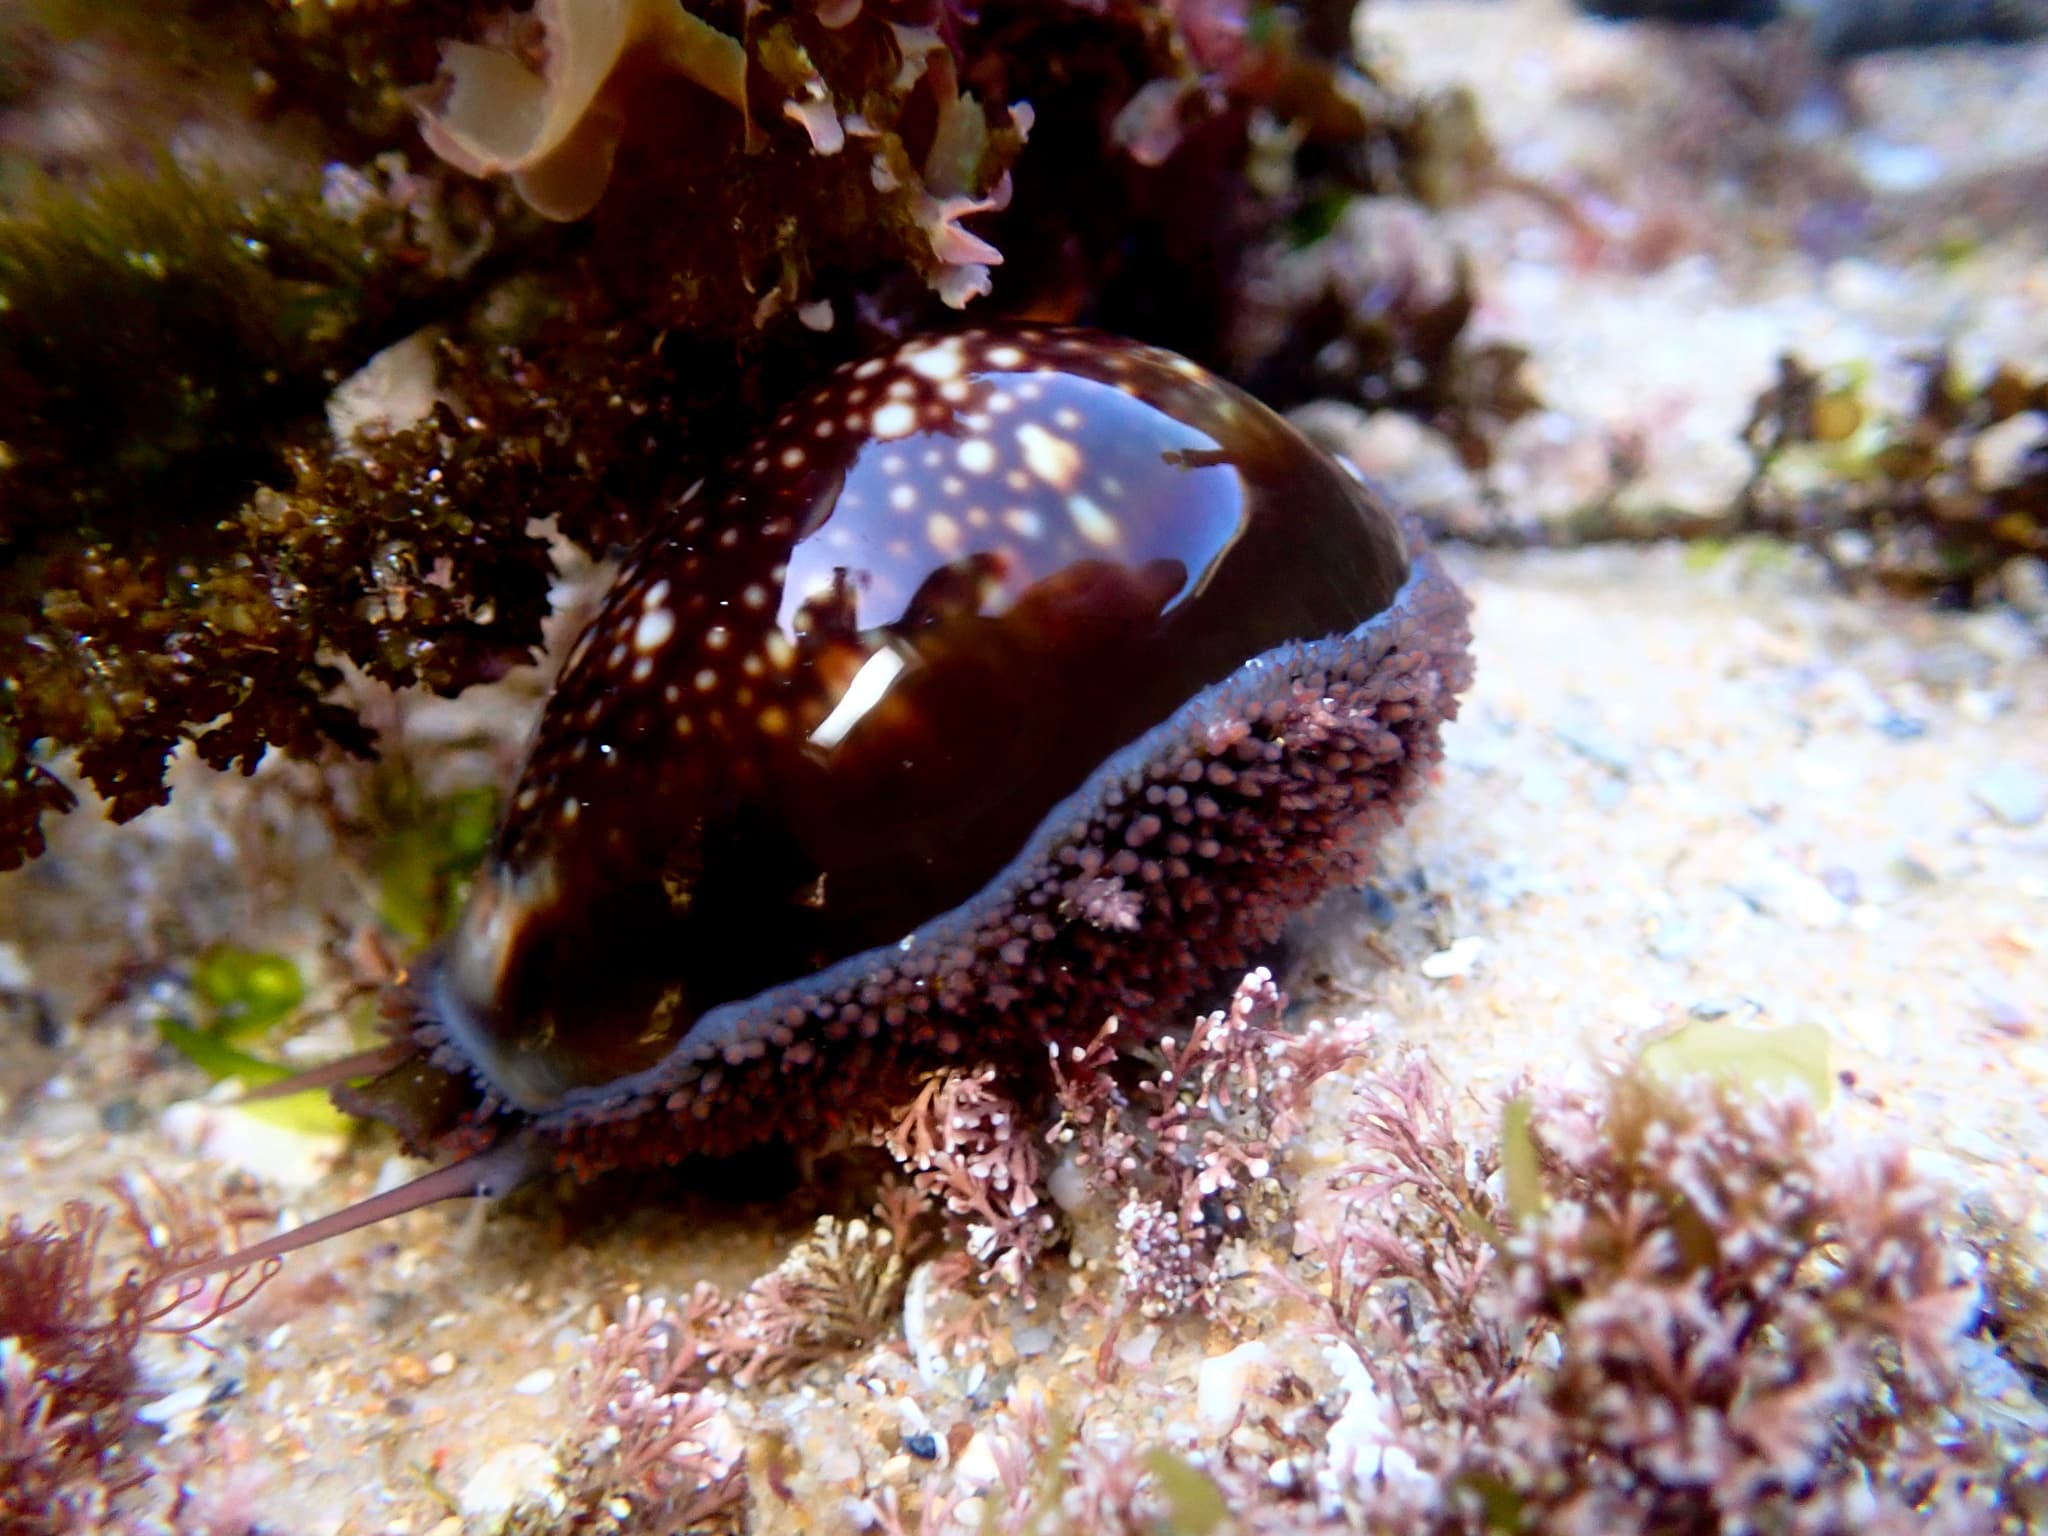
1024	767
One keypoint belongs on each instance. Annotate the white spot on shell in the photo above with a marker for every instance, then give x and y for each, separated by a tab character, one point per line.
1025	523
943	533
936	363
903	498
1004	357
654	628
1093	524
977	456
894	420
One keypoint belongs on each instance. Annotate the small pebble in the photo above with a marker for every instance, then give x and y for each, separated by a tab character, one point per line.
533	1383
120	1116
442	1364
1968	1141
1896	168
1379	907
1543	785
175	1405
411	1370
1135	1349
2003	454
2016	795
924	1447
1841	884
1716	1007
1783	889
1609	793
1597	746
510	1477
1224	1379
1673	938
2023	582
1455	960
1981	706
976	1465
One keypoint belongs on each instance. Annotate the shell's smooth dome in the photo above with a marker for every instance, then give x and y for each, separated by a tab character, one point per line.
1009	675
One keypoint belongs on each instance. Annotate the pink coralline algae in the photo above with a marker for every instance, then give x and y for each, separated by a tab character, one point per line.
1012	679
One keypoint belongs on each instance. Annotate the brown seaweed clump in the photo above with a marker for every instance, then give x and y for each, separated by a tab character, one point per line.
1946	502
617	235
1376	312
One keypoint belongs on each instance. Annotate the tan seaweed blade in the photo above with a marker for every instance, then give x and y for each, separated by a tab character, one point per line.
555	132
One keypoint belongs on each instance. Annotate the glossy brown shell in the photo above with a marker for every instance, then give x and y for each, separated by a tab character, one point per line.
1011	679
